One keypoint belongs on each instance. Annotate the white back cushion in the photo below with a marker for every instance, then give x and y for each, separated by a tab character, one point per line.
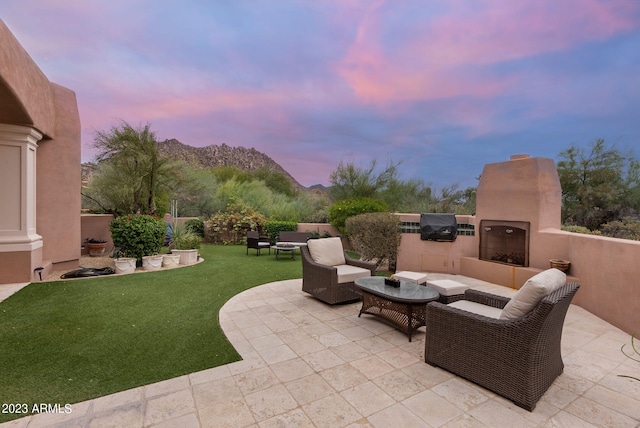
326	251
532	292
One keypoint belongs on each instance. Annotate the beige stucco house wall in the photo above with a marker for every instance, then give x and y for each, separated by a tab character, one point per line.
39	168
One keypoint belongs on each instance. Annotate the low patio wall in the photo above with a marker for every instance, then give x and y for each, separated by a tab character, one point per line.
607	269
320	228
324	228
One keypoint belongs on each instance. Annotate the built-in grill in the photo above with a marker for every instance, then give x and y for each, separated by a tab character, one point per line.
504	241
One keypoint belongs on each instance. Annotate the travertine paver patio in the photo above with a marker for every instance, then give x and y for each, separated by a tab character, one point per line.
309	364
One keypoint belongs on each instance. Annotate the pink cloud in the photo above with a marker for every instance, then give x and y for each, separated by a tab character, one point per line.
435	62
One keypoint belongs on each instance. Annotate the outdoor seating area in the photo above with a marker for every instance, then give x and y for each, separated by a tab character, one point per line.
518	358
306	363
257	242
328	273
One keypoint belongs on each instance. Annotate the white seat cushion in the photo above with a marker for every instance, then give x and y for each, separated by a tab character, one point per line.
349	273
532	293
327	251
447	287
415	277
477	308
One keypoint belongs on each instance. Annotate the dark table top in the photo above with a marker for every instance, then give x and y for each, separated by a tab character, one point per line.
408	292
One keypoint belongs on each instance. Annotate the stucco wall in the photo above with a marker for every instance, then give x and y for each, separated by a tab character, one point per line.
58	183
432	256
607	270
320	228
96	226
27	97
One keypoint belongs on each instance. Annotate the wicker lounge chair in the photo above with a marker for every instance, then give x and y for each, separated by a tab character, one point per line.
322	282
516	358
257	242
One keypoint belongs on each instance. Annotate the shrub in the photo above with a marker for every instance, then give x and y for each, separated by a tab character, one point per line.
196	226
376	237
272	228
231	226
627	228
580	229
138	235
183	238
314	234
340	211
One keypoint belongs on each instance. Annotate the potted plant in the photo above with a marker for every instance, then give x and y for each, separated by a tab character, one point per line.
170	260
96	247
124	264
153	262
186	244
137	235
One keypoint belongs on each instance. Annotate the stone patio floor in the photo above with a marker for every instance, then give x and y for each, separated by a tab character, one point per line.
308	364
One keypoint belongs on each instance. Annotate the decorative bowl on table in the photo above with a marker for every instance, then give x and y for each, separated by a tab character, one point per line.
392	282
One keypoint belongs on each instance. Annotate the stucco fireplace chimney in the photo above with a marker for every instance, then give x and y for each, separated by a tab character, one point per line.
523	196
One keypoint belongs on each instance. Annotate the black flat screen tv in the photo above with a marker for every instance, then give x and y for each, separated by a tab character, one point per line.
438	227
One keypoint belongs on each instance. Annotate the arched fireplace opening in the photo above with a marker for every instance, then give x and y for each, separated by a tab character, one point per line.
505	242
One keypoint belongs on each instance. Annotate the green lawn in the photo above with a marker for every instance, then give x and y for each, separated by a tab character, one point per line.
69	341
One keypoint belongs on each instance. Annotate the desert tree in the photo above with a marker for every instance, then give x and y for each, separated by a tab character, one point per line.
599	183
132	174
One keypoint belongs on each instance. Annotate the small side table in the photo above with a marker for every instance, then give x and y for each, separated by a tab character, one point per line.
284	247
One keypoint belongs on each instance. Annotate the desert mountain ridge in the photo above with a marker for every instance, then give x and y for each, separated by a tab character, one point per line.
216	155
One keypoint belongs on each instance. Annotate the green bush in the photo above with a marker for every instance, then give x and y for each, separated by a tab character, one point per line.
627	228
340	211
196	226
183	238
273	227
231	226
138	235
580	229
316	234
376	237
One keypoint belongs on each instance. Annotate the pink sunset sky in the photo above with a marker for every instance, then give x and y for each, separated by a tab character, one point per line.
441	86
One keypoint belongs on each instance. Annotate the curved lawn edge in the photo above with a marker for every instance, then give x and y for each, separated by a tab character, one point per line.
71	341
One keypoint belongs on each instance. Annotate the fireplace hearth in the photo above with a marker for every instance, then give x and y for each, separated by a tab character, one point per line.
506	242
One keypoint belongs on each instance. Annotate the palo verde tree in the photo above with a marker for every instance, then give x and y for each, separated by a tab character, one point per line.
350	181
132	176
599	184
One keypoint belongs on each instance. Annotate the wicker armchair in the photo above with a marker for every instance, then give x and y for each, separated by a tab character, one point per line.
518	359
257	242
321	281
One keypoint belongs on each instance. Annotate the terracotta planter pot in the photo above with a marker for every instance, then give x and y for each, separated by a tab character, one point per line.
562	265
151	262
96	250
125	265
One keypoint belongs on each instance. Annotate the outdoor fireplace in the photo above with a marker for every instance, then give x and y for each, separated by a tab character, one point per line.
505	242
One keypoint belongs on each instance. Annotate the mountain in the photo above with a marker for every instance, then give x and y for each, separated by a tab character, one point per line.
223	155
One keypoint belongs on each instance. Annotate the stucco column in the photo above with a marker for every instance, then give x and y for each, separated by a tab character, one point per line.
18	146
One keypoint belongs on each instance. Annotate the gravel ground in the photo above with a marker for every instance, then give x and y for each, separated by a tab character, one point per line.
99	262
86	262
